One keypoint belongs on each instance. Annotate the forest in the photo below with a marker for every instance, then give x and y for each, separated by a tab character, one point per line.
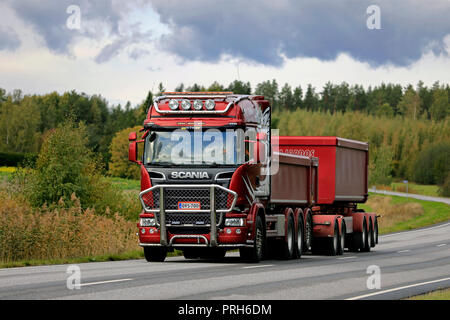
407	127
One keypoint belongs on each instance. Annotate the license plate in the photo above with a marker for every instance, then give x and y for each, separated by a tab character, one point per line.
188	205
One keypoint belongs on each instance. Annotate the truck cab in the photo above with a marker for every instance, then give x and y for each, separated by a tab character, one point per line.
202	167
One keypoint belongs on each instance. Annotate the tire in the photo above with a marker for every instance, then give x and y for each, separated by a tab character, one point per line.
308	243
341	246
333	242
287	247
376	230
369	238
360	239
299	240
155	254
372	236
255	253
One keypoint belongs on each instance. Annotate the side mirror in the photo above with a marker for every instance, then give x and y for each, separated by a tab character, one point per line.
132	151
132	136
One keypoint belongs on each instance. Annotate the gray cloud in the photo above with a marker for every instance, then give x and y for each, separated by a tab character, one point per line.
99	19
264	31
9	40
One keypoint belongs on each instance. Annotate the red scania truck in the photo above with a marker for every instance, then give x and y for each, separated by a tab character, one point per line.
215	178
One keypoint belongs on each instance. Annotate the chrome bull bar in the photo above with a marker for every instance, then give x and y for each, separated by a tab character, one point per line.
161	211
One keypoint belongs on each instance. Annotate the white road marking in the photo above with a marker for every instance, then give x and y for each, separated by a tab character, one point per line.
402	251
441	245
102	282
397	289
252	267
343	258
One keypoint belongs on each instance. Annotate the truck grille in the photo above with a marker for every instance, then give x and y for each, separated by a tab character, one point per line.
173	196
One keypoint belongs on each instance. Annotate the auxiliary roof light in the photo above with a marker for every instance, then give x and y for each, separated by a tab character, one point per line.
173	104
210	104
185	104
198	104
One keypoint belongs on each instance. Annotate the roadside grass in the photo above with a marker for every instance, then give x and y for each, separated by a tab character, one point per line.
415	188
131	255
125	184
442	294
400	214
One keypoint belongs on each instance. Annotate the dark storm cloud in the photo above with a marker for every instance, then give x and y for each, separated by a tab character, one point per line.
263	31
8	39
99	18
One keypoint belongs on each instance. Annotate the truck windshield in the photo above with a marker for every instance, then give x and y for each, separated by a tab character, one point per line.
194	147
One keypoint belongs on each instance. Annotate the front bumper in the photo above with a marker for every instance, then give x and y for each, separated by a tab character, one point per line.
216	237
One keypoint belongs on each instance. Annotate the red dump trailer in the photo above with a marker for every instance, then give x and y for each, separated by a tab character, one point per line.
214	179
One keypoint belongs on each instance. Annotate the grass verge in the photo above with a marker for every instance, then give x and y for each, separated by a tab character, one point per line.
131	255
442	294
400	214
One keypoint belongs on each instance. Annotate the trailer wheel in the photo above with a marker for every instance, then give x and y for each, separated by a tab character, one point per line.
369	238
299	238
255	253
308	233
342	238
155	254
333	242
372	236
359	239
288	246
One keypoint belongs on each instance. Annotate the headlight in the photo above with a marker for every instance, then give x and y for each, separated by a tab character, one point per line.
234	222
185	104
198	104
210	104
173	104
147	222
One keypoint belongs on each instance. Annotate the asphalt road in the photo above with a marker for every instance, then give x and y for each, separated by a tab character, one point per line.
410	263
412	195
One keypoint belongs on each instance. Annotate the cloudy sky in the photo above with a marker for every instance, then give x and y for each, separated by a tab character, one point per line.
122	49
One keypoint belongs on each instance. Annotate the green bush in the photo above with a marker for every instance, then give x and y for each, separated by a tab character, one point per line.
65	167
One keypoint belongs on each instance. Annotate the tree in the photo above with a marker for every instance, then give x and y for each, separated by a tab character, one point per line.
286	98
215	86
409	105
240	87
180	88
381	166
440	106
311	100
120	166
161	89
298	97
65	165
385	110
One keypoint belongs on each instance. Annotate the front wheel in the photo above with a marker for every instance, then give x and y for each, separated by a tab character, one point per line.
255	253
155	254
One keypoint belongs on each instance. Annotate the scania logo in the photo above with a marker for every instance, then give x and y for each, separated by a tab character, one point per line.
189	175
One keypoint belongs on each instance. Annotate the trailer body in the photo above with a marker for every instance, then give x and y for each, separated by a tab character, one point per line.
343	175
